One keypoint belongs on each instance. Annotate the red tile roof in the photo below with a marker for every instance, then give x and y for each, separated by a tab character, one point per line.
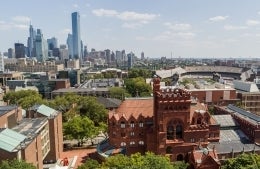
133	107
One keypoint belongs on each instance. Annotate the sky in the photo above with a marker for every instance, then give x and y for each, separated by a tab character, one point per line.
171	28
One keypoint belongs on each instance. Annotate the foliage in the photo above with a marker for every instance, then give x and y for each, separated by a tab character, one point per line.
80	128
136	161
24	98
90	164
138	87
15	164
118	92
145	73
89	107
243	161
186	81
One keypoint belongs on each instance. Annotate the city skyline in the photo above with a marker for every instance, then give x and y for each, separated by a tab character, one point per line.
172	27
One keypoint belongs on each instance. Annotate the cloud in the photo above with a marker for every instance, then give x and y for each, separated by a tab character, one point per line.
131	25
104	12
178	26
218	18
231	27
171	35
75	5
252	22
132	19
21	19
134	16
65	31
21	26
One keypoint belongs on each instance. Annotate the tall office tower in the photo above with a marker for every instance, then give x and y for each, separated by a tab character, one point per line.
52	43
41	47
108	56
76	35
85	55
11	53
142	56
113	57
70	45
2	65
30	42
130	58
19	50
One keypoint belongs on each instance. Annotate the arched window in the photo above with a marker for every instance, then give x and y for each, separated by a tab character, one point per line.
179	157
170	132
178	131
199	120
141	142
169	150
123	144
122	124
132	143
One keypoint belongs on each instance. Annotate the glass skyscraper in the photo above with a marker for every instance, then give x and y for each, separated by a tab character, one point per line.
76	35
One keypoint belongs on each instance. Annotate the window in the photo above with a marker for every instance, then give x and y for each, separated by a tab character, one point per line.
141	124
170	131
132	133
141	142
192	140
132	143
122	124
169	150
178	131
132	124
123	144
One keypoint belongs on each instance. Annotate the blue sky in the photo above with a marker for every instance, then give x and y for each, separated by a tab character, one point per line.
185	28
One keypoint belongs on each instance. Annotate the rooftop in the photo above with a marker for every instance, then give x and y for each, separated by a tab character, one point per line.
10	140
225	120
6	109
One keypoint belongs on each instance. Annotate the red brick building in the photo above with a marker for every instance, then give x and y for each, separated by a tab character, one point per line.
170	124
36	139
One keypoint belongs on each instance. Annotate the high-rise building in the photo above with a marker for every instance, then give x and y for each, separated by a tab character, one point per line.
70	45
130	58
52	43
41	47
19	50
31	41
142	56
11	53
2	65
108	56
76	35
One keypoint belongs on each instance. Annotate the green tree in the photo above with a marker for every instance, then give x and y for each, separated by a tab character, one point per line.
137	161
243	161
90	164
80	128
89	107
16	164
138	87
118	92
134	73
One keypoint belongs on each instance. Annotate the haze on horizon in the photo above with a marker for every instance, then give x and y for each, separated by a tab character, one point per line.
184	28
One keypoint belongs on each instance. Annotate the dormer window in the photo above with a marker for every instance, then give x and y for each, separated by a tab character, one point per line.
132	124
122	125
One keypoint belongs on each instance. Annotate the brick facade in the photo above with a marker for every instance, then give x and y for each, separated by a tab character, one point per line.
170	124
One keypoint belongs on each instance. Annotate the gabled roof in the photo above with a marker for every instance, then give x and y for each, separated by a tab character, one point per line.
45	110
245	86
10	140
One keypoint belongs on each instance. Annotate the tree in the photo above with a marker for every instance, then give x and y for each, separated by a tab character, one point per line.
23	96
90	164
118	92
80	128
136	161
243	161
134	73
16	164
138	87
89	107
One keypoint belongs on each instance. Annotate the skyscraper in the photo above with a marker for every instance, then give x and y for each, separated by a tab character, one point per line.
19	50
76	35
70	45
41	47
30	42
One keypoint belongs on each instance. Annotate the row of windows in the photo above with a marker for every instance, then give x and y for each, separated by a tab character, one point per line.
123	144
131	134
132	124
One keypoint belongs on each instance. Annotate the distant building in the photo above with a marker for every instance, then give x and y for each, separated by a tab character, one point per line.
142	56
11	53
70	45
19	50
41	47
31	42
52	43
130	60
76	35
